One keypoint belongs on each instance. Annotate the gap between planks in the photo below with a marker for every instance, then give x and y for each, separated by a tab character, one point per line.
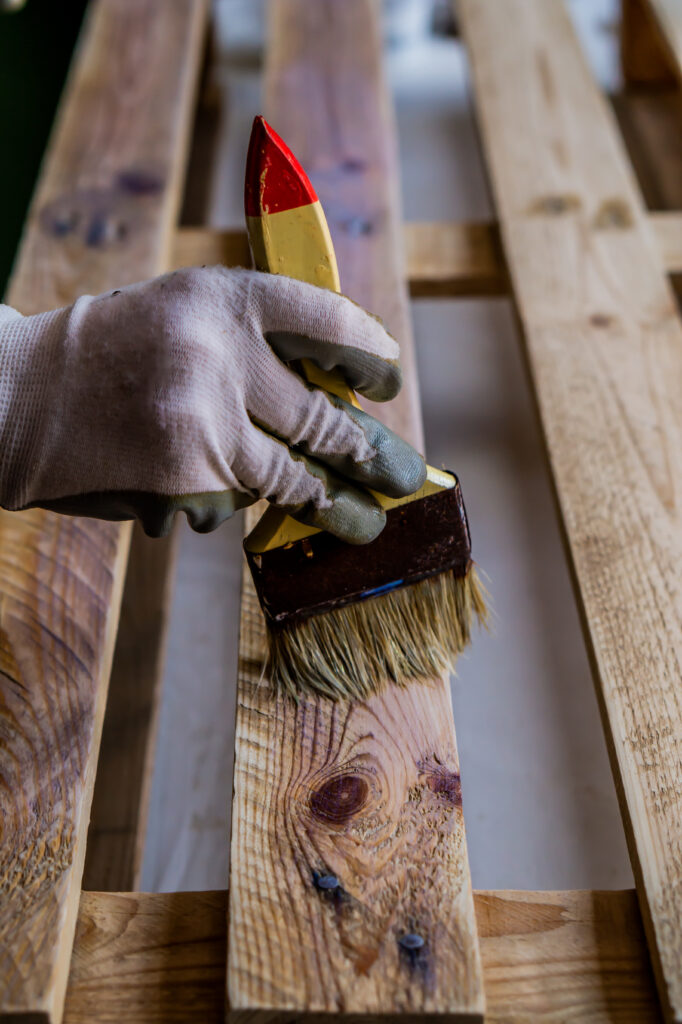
443	260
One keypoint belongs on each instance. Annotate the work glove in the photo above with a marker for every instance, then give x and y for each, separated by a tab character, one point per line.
183	393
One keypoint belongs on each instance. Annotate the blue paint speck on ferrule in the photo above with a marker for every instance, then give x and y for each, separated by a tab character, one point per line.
384	589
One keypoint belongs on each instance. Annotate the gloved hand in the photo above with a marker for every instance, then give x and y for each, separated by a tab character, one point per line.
180	393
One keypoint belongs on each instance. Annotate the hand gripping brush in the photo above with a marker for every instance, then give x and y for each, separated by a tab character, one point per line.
343	619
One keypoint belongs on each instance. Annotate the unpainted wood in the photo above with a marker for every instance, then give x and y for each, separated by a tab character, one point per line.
443	259
604	344
548	957
366	792
103	214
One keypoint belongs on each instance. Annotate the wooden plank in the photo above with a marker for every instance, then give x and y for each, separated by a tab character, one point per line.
368	792
453	260
548	957
149	958
103	214
115	845
194	247
604	342
443	260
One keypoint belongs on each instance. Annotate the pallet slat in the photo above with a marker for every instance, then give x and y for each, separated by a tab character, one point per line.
103	214
604	342
368	792
443	260
548	957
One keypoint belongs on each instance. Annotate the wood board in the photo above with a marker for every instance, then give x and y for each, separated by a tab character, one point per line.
368	792
103	214
604	345
548	957
442	259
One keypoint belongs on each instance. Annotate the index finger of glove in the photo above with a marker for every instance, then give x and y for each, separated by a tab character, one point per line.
301	321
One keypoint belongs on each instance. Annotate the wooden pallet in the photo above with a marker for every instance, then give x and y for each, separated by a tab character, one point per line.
588	269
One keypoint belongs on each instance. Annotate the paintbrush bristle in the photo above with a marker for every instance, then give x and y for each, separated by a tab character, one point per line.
415	632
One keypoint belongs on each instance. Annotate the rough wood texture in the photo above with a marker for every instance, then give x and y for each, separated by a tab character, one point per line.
548	957
604	342
445	260
103	214
367	792
116	836
148	958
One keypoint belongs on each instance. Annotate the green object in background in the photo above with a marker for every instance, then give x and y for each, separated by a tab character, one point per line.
36	43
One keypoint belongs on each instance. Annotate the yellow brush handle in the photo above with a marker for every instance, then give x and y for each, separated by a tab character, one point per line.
297	243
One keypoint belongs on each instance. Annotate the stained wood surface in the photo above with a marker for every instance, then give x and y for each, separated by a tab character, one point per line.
548	957
366	792
443	259
604	343
103	214
118	820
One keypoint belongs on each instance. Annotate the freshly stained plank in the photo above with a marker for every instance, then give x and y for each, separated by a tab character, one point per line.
604	342
548	957
367	792
444	260
115	844
103	214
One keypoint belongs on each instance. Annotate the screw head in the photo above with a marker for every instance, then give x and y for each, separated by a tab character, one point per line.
411	941
328	882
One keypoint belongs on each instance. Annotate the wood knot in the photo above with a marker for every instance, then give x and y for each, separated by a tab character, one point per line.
600	320
442	781
446	784
555	205
339	799
613	213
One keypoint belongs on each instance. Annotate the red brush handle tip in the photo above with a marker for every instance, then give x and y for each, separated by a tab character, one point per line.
275	181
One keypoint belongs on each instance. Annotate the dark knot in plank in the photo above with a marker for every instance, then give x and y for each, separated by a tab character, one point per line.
339	799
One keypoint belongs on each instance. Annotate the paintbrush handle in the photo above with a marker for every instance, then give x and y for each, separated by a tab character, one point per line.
288	234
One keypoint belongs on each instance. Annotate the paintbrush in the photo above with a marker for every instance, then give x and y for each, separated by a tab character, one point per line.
344	620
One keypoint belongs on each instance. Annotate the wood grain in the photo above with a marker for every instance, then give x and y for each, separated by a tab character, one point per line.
103	214
120	803
548	958
604	343
443	259
366	792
